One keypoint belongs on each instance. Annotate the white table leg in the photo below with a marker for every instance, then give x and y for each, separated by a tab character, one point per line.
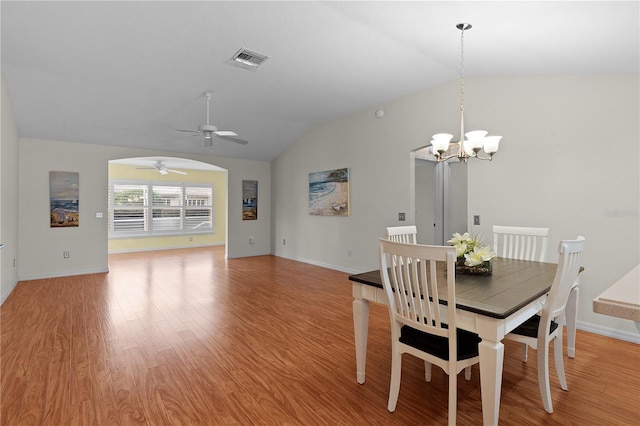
360	331
491	361
571	316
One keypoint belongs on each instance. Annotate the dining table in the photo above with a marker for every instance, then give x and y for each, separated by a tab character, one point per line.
489	305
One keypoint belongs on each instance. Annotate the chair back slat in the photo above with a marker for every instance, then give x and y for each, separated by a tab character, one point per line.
402	234
516	242
410	279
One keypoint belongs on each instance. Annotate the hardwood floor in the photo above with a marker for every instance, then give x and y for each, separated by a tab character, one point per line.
186	337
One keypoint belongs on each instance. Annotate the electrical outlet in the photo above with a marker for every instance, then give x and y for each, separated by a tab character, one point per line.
401	217
251	240
349	253
65	254
476	219
284	242
190	239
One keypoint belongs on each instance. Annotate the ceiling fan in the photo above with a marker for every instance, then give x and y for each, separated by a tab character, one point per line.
209	130
162	169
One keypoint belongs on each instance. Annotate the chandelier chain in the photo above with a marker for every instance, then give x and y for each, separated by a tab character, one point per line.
462	69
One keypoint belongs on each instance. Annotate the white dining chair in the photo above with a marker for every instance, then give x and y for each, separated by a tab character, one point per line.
418	327
517	242
546	326
524	243
403	234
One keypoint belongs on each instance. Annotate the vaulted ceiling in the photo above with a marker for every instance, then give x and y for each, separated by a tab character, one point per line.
130	73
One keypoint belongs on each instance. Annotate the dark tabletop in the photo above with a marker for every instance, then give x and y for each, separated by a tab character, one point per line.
512	285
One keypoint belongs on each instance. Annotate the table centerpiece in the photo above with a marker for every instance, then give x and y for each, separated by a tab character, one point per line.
473	257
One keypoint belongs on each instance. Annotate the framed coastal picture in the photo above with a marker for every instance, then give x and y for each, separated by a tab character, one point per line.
249	200
63	199
329	193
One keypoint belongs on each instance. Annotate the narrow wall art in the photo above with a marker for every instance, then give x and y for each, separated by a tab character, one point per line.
63	199
249	200
329	193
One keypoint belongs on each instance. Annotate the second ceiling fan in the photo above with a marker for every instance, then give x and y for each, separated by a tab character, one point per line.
209	130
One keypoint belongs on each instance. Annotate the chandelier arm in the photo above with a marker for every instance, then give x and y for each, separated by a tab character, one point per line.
462	156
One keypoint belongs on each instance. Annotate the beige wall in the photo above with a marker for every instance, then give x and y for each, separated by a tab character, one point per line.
568	159
219	181
41	247
8	198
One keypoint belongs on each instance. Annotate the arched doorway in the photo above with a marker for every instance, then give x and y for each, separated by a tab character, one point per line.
161	202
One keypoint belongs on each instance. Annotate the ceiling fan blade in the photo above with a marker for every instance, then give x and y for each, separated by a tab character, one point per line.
225	133
145	168
236	140
180	172
185	130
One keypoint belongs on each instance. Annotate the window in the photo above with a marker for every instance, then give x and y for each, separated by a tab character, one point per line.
139	208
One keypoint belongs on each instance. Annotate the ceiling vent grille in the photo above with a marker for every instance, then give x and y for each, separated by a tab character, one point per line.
247	59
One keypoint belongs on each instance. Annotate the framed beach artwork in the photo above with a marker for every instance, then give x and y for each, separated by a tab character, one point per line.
63	199
329	193
249	200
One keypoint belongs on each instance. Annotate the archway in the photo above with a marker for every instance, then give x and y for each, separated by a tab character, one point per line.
186	204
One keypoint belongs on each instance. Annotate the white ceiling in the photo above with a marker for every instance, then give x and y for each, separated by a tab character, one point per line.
129	73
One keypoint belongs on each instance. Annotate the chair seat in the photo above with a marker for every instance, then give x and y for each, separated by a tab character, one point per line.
529	328
438	345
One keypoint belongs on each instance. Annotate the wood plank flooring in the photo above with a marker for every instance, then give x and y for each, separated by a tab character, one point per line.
186	337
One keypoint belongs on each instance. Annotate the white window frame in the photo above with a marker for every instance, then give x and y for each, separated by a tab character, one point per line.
189	210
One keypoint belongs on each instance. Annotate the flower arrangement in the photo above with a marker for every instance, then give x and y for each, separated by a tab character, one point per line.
472	254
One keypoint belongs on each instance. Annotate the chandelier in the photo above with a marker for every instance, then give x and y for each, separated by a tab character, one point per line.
477	139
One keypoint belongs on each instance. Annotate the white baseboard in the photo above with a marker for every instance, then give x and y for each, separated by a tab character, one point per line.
64	274
324	265
163	248
627	336
8	292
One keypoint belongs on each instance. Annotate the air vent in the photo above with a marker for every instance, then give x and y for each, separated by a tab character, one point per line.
247	59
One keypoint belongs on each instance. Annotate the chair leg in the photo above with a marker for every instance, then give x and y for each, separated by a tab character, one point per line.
559	361
427	371
467	373
524	352
453	396
571	311
543	376
394	387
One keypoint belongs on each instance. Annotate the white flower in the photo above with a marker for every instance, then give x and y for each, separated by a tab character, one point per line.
484	253
457	238
461	249
478	256
471	249
472	259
